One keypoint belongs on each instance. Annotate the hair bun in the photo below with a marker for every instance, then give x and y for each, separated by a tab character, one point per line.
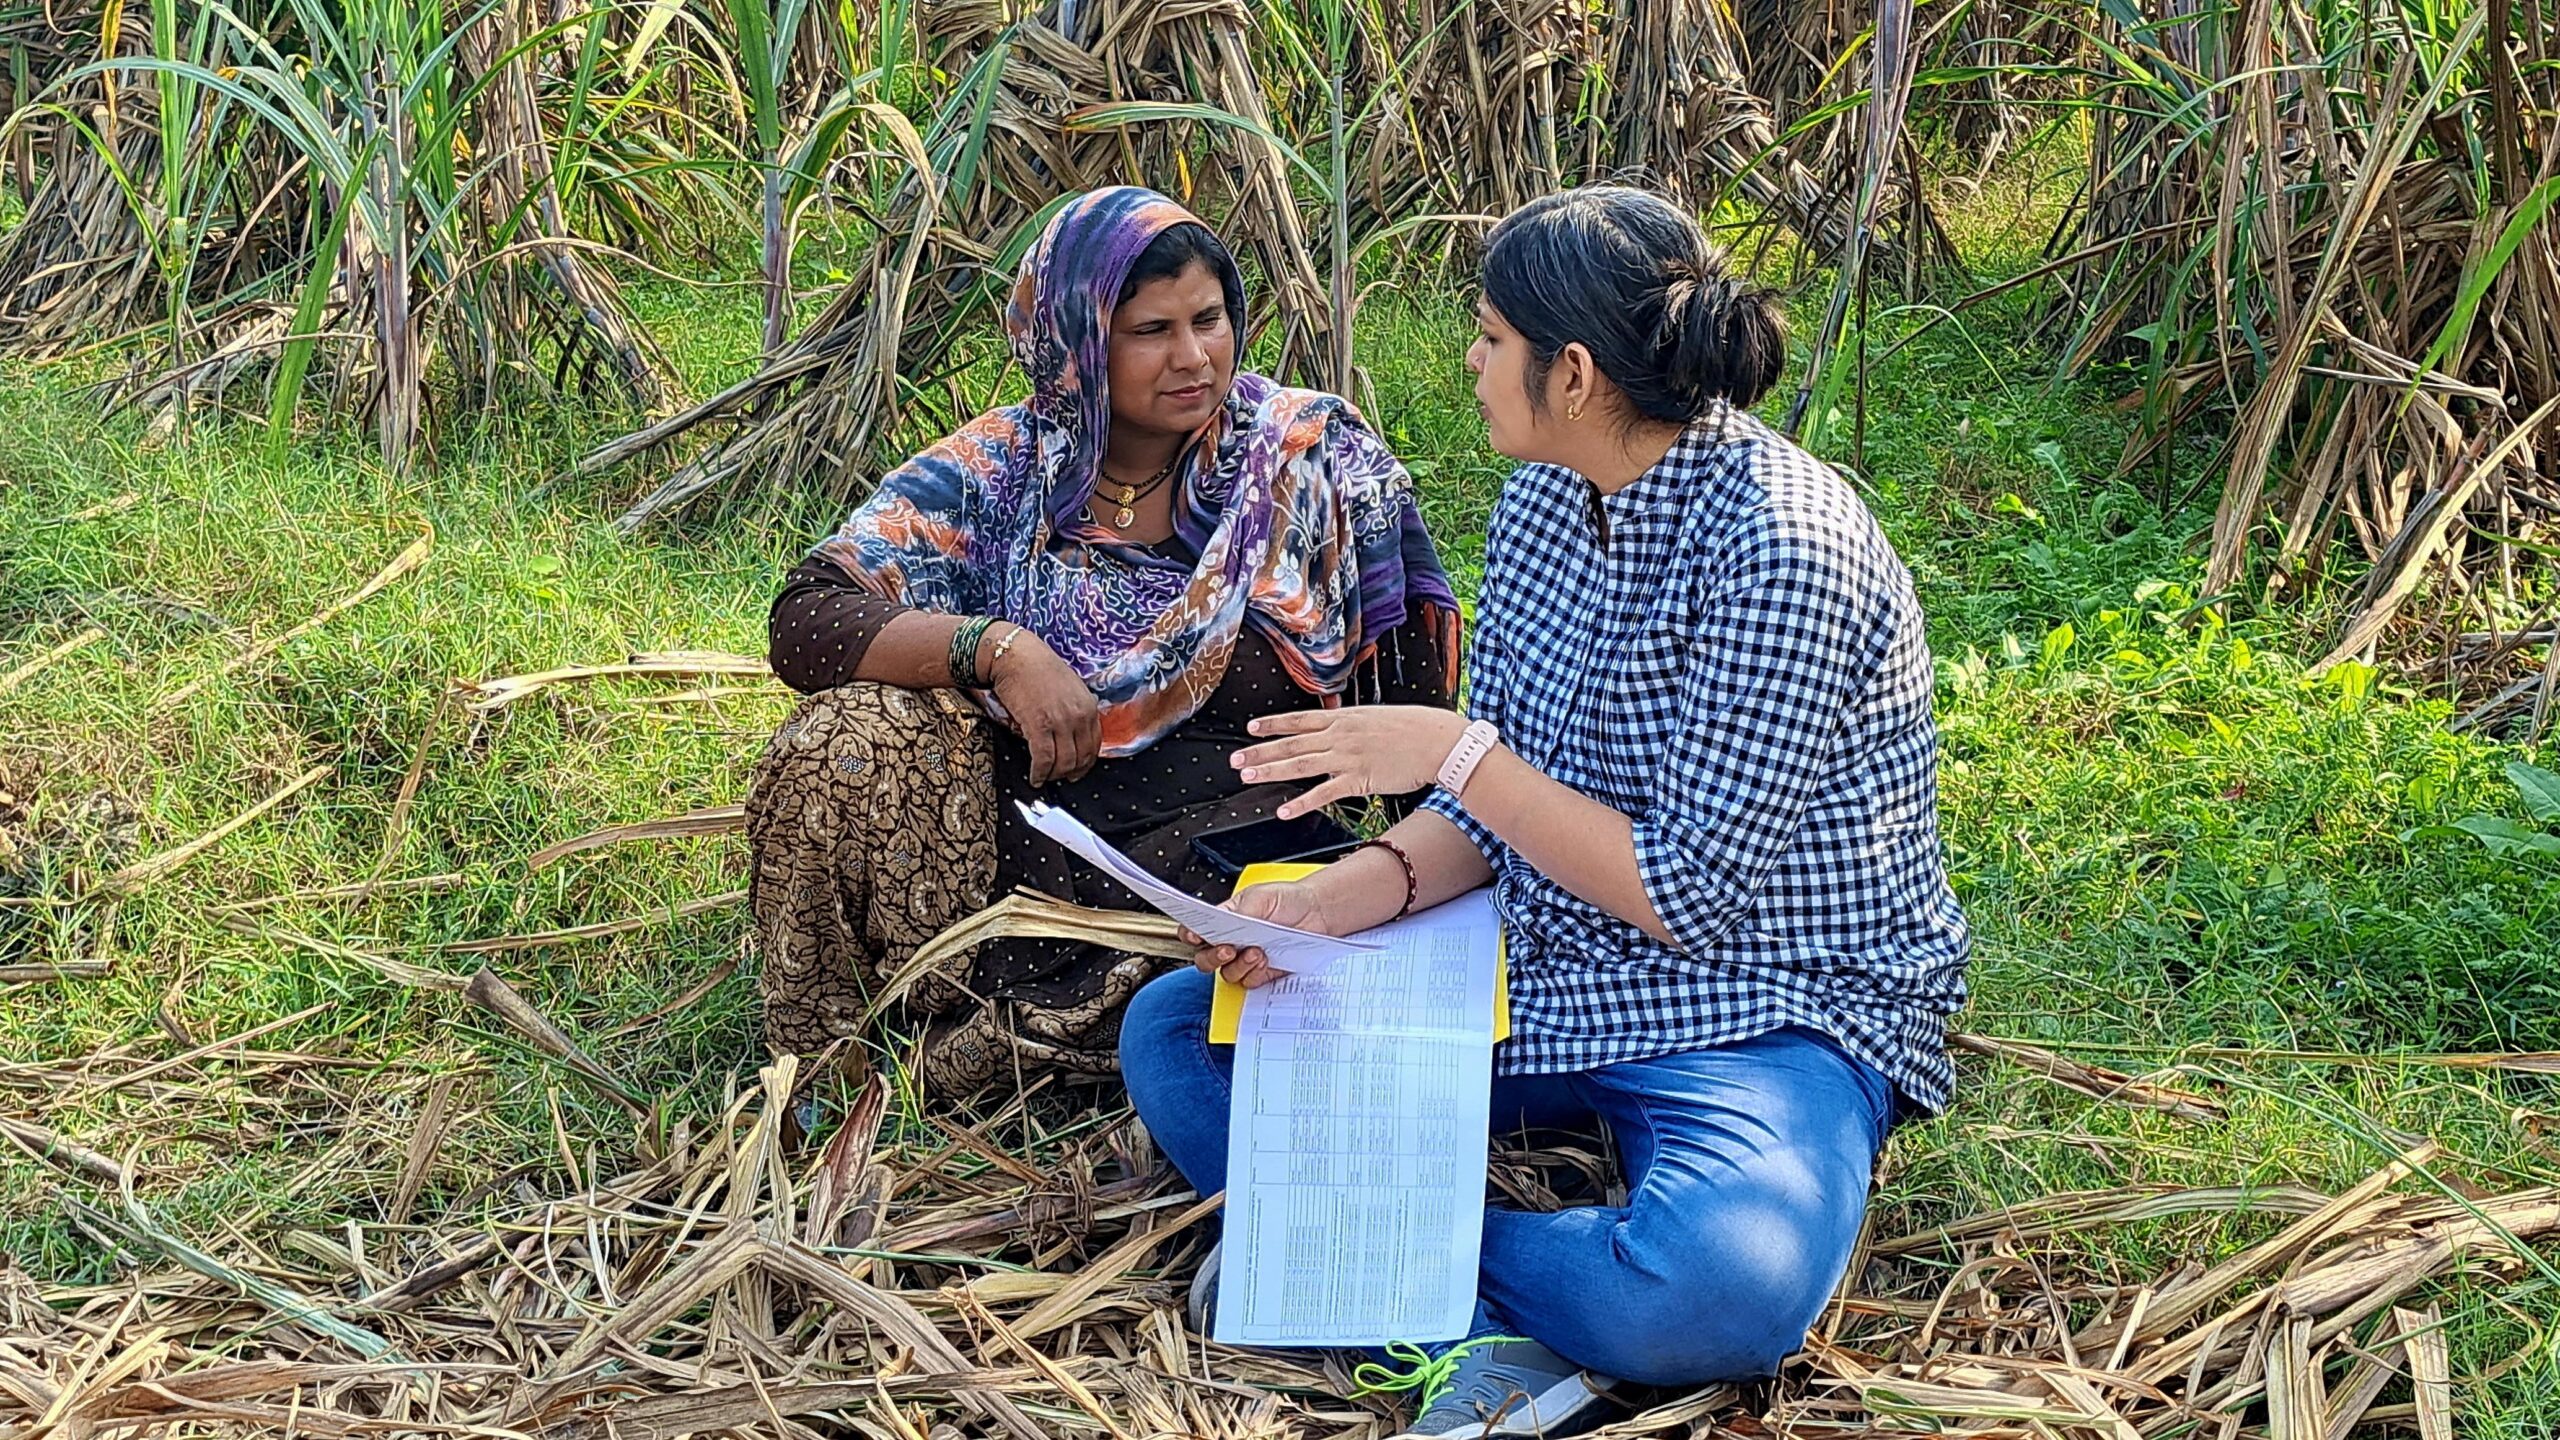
1632	277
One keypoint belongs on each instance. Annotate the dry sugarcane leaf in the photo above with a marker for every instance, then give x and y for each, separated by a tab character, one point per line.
490	696
1106	1270
488	990
401	564
968	1139
2072	1388
2095	1081
395	830
416	1289
2297	1406
28	671
2421	535
281	1299
1047	1367
708	1269
939	1231
398	971
596	931
2188	1301
737	1409
2527	1062
423	1143
894	1316
2365	1380
239	1380
1028	913
838	1176
53	972
2358	1278
142	872
115	505
717	820
162	1067
2058	1214
1681	1416
283	1419
360	890
1009	1287
2430	1371
1933	1402
711	980
43	1144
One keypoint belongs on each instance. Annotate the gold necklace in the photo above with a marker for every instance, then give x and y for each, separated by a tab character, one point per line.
1129	495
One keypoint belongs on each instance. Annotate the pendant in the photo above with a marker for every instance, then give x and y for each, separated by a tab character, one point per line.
1124	519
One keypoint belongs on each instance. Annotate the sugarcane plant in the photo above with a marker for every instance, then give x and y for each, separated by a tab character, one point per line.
334	197
2331	222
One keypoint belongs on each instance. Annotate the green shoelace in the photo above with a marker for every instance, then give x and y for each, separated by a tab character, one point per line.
1423	1371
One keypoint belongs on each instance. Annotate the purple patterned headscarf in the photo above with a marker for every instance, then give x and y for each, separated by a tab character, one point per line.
1304	522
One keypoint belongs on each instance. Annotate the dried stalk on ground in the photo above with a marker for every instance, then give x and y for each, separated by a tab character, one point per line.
726	1283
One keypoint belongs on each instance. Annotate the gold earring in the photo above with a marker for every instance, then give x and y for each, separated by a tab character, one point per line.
1573	413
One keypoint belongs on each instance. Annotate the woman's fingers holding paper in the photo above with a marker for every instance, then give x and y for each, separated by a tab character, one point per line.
1247	967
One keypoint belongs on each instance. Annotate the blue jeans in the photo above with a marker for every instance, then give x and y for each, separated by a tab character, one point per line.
1747	1170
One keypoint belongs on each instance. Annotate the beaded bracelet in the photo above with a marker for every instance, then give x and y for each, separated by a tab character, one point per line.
1412	884
963	660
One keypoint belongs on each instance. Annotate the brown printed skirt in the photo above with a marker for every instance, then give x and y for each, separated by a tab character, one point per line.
872	826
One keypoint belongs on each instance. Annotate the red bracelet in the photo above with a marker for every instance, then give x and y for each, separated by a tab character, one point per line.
1412	886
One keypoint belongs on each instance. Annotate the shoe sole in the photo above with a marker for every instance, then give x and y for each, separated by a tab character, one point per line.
1560	1403
1200	1307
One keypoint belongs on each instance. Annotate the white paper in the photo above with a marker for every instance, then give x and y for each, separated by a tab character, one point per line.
1356	1141
1288	948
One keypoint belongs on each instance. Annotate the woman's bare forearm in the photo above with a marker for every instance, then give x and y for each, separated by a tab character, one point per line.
1366	887
914	650
1572	839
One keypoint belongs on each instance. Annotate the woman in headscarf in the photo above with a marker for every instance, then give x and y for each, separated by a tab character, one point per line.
1085	598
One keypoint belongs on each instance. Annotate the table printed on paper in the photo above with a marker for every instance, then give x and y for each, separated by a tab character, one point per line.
1356	1146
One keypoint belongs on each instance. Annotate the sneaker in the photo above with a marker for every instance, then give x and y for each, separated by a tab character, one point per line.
1202	1307
1496	1385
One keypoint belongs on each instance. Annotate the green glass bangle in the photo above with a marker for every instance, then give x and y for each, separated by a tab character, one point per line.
963	661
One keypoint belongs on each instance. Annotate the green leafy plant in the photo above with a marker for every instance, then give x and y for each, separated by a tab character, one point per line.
2540	791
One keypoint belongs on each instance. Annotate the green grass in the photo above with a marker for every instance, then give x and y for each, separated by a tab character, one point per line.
2167	838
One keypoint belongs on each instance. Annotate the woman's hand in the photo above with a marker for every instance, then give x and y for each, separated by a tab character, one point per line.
1360	749
1052	707
1294	903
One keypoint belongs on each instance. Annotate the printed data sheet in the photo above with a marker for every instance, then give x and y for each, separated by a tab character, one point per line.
1356	1147
1294	950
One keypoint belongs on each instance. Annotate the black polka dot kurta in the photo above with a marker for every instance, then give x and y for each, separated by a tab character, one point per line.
1151	805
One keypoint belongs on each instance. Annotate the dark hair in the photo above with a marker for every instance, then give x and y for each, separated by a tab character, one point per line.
1634	280
1177	249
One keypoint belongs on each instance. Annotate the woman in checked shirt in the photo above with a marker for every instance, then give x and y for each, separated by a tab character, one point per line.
1699	770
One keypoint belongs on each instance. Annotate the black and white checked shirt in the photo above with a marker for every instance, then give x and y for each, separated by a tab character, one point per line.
1729	652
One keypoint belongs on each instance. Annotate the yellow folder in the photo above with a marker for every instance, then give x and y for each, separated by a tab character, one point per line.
1226	1007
